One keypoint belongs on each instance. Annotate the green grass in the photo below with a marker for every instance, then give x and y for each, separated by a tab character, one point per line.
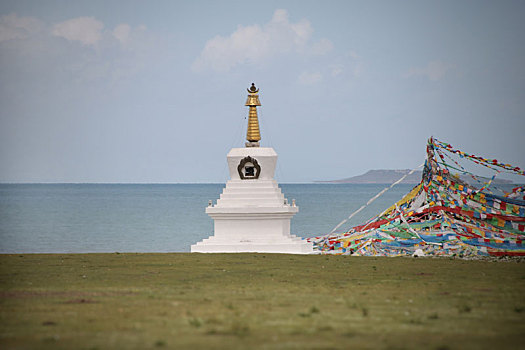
245	301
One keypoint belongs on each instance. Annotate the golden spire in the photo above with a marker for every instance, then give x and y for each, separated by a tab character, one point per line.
253	135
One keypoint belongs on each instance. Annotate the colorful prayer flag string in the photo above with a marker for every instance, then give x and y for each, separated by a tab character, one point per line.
443	215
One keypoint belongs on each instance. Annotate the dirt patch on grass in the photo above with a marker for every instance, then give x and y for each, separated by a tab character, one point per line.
81	301
424	274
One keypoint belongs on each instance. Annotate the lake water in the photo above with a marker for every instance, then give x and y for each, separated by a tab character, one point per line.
81	218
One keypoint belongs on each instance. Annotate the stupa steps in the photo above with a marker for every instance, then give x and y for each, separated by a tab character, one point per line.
248	239
280	248
253	196
252	190
252	184
247	203
240	209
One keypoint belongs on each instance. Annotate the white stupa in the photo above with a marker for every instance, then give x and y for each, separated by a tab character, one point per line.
252	214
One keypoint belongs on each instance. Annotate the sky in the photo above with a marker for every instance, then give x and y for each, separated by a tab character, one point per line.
154	91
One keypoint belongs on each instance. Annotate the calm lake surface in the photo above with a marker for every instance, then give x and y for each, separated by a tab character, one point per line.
82	218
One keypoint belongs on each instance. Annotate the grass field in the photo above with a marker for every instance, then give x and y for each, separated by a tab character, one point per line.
245	301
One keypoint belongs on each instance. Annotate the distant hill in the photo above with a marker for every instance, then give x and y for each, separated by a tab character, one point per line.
385	176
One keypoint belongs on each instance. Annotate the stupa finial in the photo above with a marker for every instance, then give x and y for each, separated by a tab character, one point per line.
253	135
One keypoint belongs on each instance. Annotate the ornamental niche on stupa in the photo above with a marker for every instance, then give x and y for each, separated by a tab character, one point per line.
252	214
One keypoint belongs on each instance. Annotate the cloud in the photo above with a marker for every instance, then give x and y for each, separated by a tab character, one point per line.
35	51
310	78
87	30
337	69
14	27
255	44
350	65
434	70
121	33
322	47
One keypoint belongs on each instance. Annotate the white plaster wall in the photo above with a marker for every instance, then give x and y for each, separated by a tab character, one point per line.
266	229
265	156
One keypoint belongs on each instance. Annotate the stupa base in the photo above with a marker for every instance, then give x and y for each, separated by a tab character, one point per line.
287	245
